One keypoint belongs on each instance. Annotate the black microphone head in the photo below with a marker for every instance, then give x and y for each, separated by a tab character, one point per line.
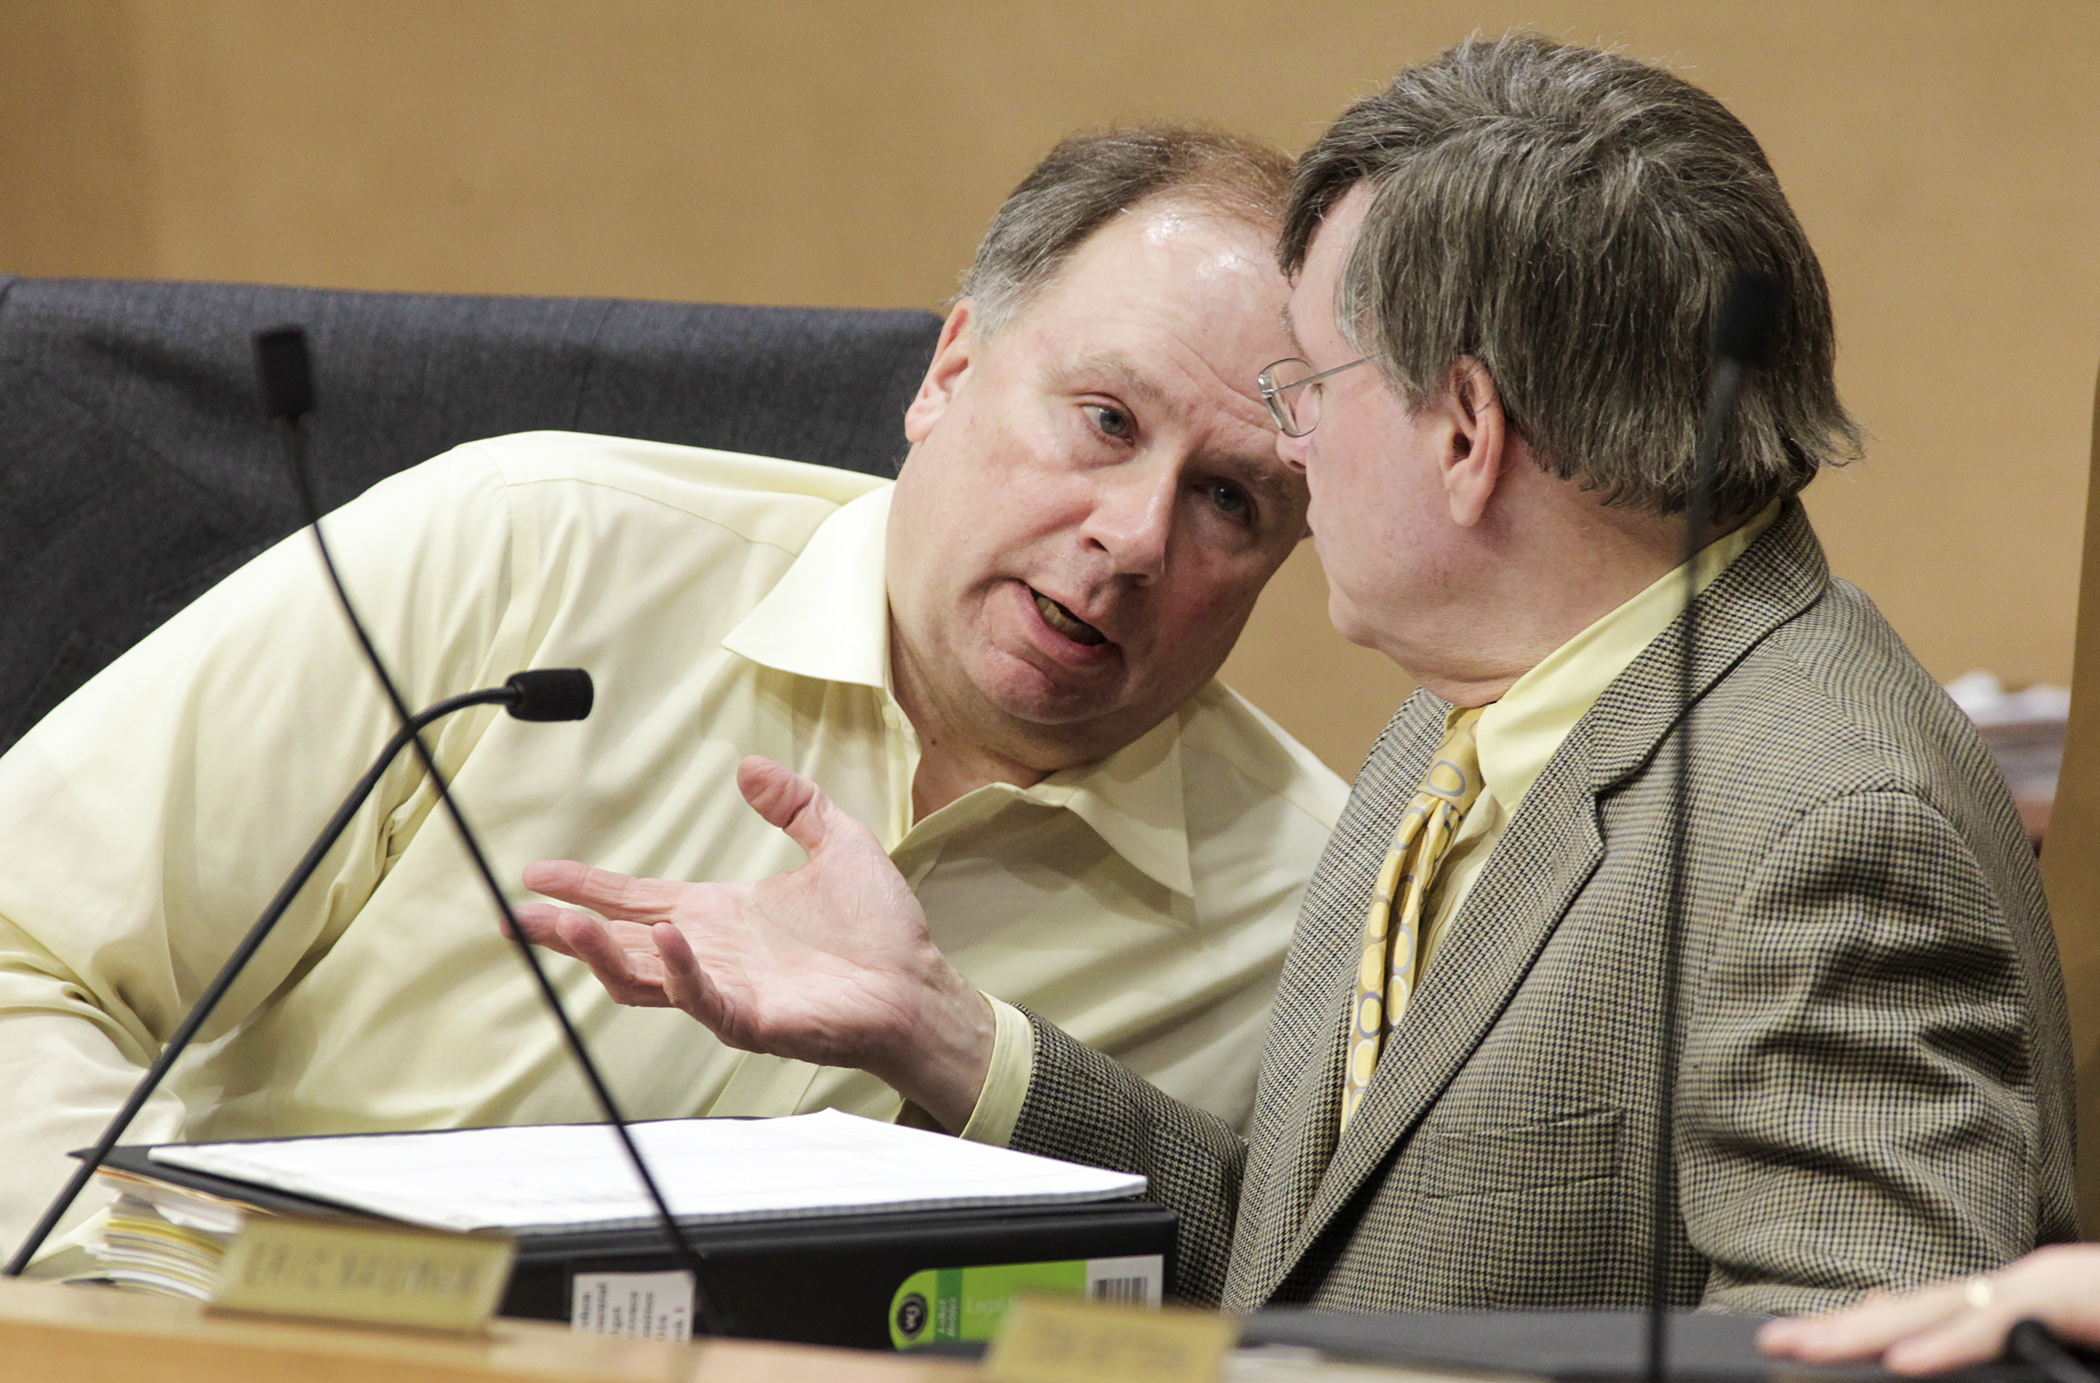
552	693
283	373
1749	315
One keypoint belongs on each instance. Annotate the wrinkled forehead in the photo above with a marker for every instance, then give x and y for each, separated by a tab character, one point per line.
1188	270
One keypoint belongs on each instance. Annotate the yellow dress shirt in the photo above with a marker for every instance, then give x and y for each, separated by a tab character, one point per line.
1520	733
726	605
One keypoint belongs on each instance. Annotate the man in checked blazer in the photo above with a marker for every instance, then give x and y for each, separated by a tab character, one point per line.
1506	270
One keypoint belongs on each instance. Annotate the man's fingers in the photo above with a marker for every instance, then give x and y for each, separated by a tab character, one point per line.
1863	1330
603	890
685	984
791	802
674	950
1971	1337
632	978
536	923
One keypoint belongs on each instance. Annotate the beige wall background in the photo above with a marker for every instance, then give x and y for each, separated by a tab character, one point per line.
1942	155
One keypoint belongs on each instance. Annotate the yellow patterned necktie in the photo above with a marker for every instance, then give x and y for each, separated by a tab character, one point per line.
1393	924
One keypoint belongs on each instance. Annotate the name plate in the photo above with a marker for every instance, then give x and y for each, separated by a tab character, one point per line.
376	1274
1060	1340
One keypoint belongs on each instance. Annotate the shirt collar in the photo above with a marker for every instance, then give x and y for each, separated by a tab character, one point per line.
828	618
1520	733
1133	801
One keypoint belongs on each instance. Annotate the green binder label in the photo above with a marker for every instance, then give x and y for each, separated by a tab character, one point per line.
969	1303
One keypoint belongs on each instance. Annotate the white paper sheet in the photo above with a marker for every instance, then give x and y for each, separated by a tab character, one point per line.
574	1176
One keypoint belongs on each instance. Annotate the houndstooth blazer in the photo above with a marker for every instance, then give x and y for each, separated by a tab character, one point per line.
1874	1085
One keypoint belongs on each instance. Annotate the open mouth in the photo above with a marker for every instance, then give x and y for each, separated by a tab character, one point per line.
1067	623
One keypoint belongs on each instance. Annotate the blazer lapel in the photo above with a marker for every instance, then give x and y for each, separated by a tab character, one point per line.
1547	853
1295	1113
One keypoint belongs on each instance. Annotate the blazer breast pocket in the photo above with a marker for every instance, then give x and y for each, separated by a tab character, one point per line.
1560	1150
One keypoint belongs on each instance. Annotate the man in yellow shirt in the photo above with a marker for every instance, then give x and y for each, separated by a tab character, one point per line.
1001	665
1507	268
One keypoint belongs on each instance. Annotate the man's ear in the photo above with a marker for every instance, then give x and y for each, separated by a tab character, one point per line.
1476	440
952	355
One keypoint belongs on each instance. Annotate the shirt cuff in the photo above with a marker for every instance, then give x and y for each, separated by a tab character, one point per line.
1006	1080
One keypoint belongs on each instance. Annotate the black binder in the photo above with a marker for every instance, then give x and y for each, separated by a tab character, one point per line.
822	1280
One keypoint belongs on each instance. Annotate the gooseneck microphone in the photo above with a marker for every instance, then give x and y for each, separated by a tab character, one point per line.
1742	337
285	376
544	694
551	693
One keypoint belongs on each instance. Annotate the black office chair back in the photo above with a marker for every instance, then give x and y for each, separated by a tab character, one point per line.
135	469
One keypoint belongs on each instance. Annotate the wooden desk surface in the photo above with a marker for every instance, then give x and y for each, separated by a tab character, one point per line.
55	1334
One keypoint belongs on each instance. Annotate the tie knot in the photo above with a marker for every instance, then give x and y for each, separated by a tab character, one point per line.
1454	773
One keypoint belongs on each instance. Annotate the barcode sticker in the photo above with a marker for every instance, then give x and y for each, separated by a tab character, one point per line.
1136	1281
633	1306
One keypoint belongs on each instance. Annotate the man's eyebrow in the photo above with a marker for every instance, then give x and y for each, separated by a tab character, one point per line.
1125	377
1290	328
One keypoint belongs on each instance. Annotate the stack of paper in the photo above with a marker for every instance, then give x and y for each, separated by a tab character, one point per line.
568	1177
163	1238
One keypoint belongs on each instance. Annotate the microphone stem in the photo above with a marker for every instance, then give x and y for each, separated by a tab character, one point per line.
201	1011
709	1315
1727	386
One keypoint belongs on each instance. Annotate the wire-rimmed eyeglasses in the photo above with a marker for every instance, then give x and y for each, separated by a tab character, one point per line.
1295	407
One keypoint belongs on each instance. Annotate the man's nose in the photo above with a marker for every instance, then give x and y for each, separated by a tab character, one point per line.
1133	518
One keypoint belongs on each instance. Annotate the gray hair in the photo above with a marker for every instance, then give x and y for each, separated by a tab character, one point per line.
1571	219
1091	177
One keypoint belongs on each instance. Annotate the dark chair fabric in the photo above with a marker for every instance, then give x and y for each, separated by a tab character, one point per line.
136	470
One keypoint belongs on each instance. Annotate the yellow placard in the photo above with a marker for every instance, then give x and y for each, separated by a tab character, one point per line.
1061	1340
376	1273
